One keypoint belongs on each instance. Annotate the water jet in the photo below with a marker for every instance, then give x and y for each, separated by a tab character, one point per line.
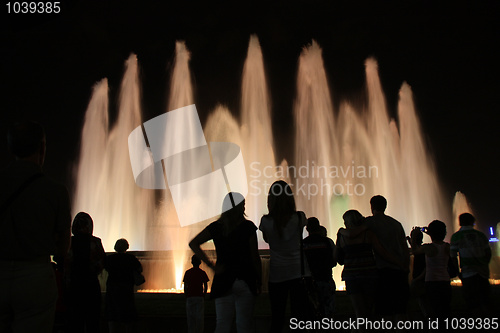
341	158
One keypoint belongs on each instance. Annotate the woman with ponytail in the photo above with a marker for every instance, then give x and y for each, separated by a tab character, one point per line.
282	228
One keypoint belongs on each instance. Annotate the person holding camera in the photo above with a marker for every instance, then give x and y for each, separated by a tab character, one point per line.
437	278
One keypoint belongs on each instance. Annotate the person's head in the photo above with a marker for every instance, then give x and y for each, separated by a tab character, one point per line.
313	226
466	219
281	204
26	141
323	231
378	204
353	218
280	198
436	230
121	245
195	261
233	206
82	224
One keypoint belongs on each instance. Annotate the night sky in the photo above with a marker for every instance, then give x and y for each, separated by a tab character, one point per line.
447	53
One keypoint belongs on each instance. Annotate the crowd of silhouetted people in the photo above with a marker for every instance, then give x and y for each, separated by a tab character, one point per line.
38	294
374	252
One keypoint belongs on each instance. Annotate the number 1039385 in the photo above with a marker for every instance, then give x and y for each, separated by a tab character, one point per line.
34	7
483	324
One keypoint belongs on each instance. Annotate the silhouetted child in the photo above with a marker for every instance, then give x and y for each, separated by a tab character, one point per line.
195	287
320	253
417	287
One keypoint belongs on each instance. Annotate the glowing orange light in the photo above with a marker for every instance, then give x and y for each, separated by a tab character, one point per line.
162	291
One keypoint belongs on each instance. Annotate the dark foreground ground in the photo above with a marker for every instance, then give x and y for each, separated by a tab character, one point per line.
166	313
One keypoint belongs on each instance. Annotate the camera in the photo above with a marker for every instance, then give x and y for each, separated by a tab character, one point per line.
423	229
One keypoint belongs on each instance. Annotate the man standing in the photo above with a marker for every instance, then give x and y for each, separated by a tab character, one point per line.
393	289
35	223
475	254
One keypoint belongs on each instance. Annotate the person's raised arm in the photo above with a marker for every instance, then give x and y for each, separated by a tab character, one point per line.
418	248
195	245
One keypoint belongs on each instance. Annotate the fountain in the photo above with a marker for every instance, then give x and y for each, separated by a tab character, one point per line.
104	188
460	206
342	158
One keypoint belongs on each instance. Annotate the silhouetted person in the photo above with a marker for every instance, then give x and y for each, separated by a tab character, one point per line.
35	223
85	262
120	305
357	254
437	278
475	254
393	288
320	253
238	271
282	228
195	287
417	286
323	231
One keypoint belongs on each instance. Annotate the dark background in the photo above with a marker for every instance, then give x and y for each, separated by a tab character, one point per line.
447	52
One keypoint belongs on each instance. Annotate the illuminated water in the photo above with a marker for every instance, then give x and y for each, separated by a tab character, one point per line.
105	189
342	158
